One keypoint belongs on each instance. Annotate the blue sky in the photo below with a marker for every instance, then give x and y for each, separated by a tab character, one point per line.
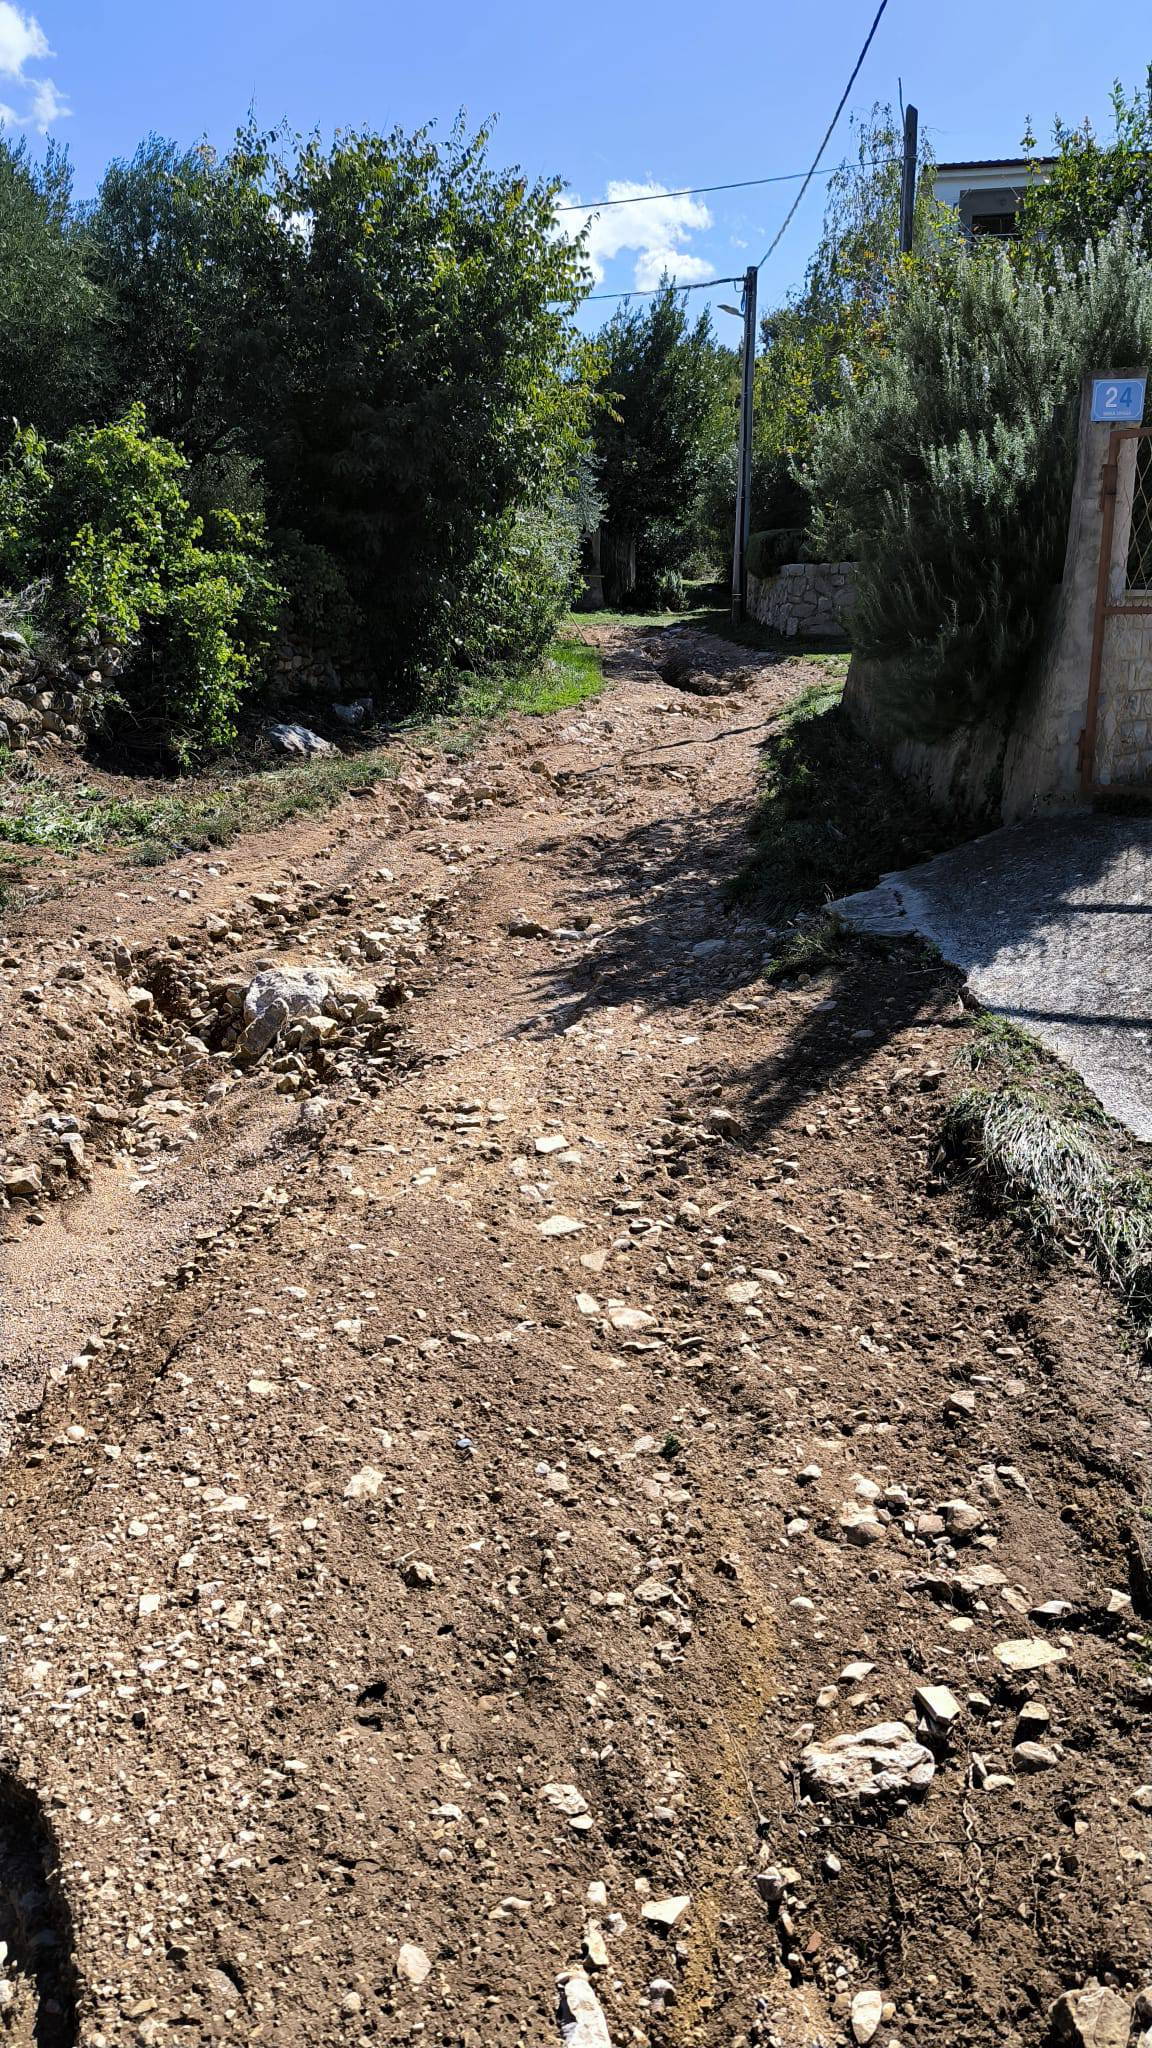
667	94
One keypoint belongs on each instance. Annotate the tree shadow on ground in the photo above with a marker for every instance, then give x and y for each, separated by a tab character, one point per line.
35	1923
680	943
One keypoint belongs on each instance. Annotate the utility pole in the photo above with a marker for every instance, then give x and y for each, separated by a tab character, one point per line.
908	181
744	460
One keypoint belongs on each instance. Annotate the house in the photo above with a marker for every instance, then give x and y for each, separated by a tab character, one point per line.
987	191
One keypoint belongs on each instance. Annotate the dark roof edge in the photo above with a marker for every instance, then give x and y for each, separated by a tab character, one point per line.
990	163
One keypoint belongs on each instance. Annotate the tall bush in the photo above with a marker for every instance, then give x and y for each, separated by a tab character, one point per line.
946	468
668	413
104	517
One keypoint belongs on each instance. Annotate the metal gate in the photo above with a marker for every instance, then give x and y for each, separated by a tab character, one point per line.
1116	744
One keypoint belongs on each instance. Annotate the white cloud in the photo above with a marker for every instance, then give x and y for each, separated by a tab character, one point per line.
657	228
48	105
653	264
22	40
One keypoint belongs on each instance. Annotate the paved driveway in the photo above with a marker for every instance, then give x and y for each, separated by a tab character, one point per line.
1052	922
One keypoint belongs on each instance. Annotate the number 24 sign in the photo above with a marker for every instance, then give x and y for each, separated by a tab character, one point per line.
1118	398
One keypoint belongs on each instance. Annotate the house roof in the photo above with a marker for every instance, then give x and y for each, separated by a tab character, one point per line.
994	163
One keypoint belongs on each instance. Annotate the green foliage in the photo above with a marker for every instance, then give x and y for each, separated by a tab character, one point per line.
37	812
837	322
1091	182
49	302
570	673
945	470
435	394
1044	1156
373	343
831	816
665	422
768	551
25	481
103	515
190	255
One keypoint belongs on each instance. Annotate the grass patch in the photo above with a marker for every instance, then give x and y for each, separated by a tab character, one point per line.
571	673
1003	1052
812	944
1047	1168
40	813
716	619
36	811
831	816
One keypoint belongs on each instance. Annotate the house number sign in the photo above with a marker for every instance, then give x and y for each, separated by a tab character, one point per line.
1119	398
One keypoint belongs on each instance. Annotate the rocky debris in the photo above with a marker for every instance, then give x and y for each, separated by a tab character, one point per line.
413	1963
22	1183
938	1703
875	1763
565	1799
559	1226
1034	1756
402	1318
301	990
595	1947
299	742
357	712
365	1484
580	2014
1092	2017
44	700
1027	1653
866	2015
665	1913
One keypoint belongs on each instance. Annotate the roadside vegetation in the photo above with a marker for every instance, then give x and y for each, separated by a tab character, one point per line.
831	815
39	810
1030	1137
326	395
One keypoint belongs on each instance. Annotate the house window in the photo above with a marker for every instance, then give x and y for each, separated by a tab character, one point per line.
1002	225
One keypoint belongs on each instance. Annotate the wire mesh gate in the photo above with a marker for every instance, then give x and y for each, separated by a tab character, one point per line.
1116	744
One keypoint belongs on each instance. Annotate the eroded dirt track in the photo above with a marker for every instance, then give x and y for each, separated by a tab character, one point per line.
447	1498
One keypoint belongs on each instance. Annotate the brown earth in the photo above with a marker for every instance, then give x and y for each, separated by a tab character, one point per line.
386	1568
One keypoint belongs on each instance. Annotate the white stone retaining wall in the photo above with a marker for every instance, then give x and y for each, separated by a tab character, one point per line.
804	600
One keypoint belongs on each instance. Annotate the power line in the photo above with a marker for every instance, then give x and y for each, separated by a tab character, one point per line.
703	284
779	236
737	185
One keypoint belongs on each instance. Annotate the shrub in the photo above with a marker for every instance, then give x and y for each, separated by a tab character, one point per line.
104	516
946	469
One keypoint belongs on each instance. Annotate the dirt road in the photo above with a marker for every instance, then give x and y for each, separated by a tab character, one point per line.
494	1441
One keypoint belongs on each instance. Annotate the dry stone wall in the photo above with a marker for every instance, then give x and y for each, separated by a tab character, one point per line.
804	600
45	699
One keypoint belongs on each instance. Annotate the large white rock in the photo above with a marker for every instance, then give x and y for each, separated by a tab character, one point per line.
299	741
870	1763
302	990
581	2015
1093	2017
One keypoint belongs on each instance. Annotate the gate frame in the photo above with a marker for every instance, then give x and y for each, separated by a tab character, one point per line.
1106	610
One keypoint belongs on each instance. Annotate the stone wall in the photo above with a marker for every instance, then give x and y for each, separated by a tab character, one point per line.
804	600
45	699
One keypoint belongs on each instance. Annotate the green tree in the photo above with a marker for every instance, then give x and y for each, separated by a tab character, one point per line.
191	257
946	468
48	302
1090	182
436	395
664	383
836	322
